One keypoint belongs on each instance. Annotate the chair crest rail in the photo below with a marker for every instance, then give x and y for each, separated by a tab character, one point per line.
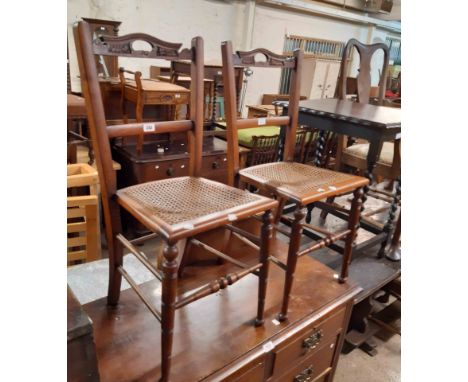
123	46
271	59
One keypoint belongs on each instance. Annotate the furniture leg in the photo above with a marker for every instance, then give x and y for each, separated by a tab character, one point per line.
294	243
115	254
388	228
169	287
394	253
319	149
266	234
372	156
353	224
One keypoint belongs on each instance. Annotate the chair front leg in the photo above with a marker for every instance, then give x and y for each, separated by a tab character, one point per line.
294	243
265	248
353	225
169	289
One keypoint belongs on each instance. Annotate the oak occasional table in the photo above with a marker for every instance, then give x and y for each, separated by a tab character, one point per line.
376	124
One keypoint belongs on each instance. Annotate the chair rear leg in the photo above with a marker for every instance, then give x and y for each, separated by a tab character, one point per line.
294	243
169	288
113	228
324	214
266	235
353	225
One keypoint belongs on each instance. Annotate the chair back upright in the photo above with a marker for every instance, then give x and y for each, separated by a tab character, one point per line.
123	46
363	80
266	59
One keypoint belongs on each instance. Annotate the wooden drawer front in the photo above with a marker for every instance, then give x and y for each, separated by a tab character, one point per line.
162	170
255	371
167	98
308	340
314	367
214	167
249	370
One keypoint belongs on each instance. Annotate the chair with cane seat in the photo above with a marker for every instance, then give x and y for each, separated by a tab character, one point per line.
175	209
287	180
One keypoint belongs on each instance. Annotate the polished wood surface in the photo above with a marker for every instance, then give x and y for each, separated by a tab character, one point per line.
371	116
214	338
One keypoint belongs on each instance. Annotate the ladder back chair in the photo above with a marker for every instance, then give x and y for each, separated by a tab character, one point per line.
355	155
174	209
287	180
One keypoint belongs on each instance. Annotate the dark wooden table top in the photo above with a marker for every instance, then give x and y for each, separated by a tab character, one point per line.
380	117
216	330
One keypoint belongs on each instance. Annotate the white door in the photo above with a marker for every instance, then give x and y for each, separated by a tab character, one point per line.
318	82
331	80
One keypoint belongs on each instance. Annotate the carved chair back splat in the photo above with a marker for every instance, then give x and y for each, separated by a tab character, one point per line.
176	209
366	52
287	180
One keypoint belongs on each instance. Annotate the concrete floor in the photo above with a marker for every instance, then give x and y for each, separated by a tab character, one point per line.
358	366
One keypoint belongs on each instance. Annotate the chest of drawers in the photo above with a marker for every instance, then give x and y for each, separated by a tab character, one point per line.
215	339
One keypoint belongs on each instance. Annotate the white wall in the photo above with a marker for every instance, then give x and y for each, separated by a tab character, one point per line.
170	20
216	21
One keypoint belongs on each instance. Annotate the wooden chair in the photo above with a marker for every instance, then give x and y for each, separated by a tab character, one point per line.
355	155
264	150
287	180
175	209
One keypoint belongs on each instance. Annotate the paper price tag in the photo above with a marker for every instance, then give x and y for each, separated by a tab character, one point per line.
398	136
149	127
261	121
177	95
232	217
268	347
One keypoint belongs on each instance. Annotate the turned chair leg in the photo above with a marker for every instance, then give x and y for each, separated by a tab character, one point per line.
266	234
294	243
169	289
353	225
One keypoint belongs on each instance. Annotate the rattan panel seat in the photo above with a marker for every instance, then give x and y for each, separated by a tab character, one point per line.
300	182
180	207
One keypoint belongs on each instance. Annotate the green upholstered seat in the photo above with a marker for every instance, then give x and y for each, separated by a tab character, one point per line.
245	136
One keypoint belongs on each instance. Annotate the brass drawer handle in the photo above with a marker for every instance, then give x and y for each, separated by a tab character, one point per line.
313	340
306	376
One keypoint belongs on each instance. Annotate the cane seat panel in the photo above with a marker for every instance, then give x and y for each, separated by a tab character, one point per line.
187	204
299	182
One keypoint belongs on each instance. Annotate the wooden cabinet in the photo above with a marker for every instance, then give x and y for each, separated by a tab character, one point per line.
173	161
215	339
319	78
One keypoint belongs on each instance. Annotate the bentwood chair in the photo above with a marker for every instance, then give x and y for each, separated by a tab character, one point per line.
354	156
287	180
175	209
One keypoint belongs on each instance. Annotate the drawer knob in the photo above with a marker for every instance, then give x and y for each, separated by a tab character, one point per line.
306	375
313	340
170	171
